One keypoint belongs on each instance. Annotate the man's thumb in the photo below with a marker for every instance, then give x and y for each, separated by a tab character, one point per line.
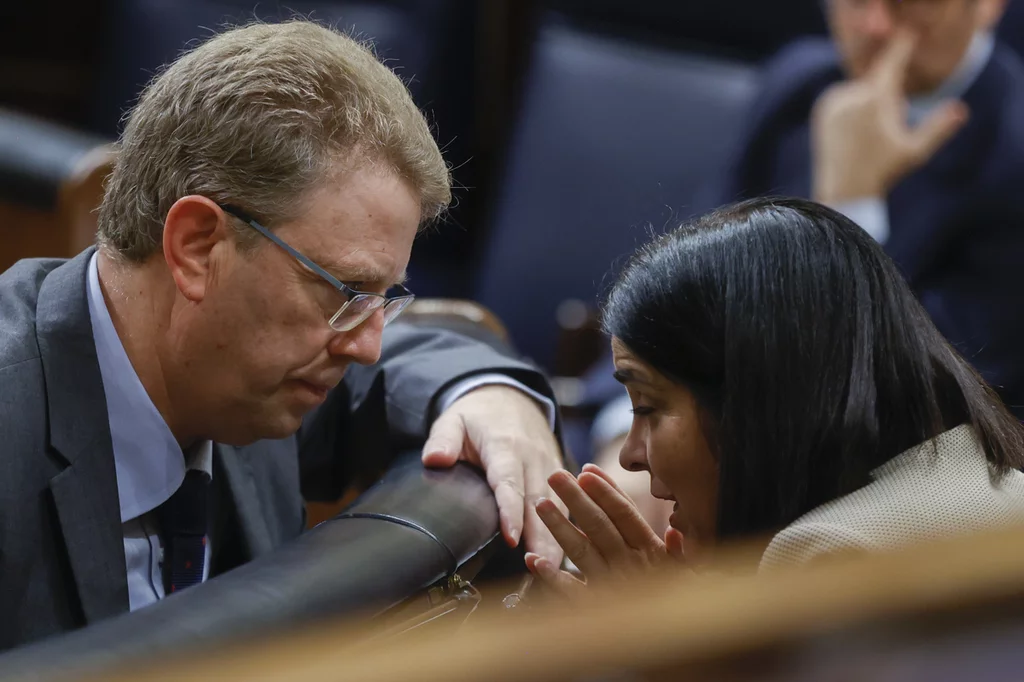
444	444
937	129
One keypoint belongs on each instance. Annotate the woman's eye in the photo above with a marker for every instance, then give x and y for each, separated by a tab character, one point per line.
642	410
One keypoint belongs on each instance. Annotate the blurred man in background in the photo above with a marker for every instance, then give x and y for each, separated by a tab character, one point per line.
911	121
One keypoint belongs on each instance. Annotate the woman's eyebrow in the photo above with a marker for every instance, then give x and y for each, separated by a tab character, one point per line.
626	376
632	377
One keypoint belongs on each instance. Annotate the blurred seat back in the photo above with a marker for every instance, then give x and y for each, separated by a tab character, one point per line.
430	44
147	34
749	29
1011	28
468	318
613	140
51	182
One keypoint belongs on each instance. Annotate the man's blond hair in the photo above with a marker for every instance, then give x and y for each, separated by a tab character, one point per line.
260	116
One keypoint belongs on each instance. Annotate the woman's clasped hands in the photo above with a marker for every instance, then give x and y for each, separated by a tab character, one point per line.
608	540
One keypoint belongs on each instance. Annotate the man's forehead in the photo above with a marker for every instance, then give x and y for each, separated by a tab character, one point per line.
373	260
357	236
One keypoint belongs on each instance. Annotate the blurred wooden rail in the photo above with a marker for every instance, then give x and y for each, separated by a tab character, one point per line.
676	622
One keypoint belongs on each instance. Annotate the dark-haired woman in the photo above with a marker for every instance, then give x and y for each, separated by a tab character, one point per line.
785	384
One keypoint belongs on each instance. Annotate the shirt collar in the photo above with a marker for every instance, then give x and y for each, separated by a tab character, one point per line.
149	462
956	85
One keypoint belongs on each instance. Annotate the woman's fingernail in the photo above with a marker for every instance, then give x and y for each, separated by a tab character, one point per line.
540	500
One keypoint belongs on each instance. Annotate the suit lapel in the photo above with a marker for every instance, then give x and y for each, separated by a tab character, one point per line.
242	505
922	228
85	492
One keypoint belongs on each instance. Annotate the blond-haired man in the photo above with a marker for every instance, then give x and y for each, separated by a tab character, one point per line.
253	241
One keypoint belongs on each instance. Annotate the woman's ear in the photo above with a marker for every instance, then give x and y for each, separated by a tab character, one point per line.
193	227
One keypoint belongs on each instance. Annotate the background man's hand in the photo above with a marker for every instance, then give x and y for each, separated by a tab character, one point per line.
862	144
504	432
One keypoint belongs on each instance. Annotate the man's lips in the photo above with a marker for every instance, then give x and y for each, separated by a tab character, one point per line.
317	389
323	383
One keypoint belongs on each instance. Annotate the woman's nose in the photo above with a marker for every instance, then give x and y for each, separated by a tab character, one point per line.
633	455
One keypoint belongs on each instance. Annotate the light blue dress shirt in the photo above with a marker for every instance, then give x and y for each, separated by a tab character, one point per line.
871	213
150	464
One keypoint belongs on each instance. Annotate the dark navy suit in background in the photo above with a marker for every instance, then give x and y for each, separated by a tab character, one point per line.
956	224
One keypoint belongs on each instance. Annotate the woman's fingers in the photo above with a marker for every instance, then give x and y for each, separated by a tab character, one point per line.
598	471
576	544
610	535
629	523
562	582
590	518
674	544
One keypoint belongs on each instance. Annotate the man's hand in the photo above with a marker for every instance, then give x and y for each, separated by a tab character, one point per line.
862	144
504	432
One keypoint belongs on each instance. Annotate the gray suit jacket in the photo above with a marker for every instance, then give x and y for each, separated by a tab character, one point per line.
62	562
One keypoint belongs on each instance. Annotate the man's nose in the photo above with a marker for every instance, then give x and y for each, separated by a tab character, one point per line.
363	343
878	19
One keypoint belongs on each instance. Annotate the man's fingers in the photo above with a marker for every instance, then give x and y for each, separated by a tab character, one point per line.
445	443
628	521
937	129
506	477
576	545
890	68
536	536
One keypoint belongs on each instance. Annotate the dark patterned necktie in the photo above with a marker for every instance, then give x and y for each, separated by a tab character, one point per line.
183	529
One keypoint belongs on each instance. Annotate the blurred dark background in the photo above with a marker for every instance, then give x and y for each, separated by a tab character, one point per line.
575	128
468	63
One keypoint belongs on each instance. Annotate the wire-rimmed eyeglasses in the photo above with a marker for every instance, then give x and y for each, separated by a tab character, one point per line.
358	305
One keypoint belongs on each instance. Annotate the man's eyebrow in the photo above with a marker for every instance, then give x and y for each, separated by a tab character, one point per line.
365	275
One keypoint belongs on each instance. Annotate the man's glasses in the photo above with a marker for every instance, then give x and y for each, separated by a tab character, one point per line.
358	305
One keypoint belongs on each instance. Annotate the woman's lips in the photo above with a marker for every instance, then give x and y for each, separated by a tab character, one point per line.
676	517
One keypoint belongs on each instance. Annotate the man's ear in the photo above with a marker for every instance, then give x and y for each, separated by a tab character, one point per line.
193	227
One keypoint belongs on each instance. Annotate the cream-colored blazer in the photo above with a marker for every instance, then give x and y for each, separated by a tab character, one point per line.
938	489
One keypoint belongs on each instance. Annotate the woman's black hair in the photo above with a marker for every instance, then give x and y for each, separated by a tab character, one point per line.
809	355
